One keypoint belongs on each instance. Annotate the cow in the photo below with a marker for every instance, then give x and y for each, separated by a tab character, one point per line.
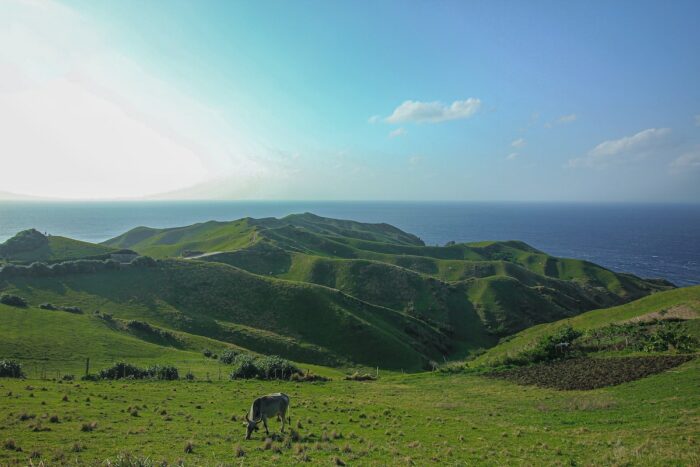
265	407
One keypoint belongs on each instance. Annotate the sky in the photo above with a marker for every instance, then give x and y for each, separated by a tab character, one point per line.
364	100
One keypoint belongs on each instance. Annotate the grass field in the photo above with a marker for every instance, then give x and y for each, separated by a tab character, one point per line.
419	419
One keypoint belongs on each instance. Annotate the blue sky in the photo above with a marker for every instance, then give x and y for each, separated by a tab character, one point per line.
555	101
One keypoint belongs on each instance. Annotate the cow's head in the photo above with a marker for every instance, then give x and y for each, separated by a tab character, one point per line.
250	426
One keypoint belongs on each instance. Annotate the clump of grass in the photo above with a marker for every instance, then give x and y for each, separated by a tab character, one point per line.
11	445
88	427
26	416
347	448
238	451
54	419
189	447
65	398
338	461
78	447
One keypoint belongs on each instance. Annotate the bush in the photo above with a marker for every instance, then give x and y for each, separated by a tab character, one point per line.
48	306
244	367
228	356
271	367
669	336
207	353
189	376
167	373
274	367
553	347
123	370
10	369
126	370
13	300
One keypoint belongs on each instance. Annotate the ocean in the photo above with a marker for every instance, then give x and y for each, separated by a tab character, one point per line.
649	240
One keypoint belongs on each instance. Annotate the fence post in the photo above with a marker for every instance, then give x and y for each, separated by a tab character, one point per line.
87	366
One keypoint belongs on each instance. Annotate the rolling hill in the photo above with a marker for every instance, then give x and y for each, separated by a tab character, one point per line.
683	304
317	290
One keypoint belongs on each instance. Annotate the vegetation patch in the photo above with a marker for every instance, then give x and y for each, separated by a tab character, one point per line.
590	373
123	370
13	300
10	369
270	367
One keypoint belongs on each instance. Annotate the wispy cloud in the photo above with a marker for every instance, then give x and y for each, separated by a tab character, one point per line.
374	119
619	150
512	156
689	160
433	112
397	132
519	143
563	120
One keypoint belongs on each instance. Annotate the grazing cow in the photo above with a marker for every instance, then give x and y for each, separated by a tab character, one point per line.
265	407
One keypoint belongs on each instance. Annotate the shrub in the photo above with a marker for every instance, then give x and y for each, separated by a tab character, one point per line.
274	367
244	367
10	369
48	306
552	347
13	300
189	376
307	377
207	353
227	356
68	378
167	373
123	370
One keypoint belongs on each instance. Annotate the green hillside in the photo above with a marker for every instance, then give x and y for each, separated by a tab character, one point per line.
507	286
300	321
31	245
684	302
311	288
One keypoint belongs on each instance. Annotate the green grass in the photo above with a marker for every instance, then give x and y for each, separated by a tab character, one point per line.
342	282
398	420
688	297
59	248
299	321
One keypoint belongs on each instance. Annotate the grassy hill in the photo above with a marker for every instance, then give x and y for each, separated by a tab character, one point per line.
31	245
311	288
684	302
301	321
508	286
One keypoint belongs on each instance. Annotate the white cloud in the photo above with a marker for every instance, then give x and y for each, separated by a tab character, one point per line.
374	119
398	132
563	120
512	156
414	160
434	112
615	151
81	120
567	118
518	143
689	160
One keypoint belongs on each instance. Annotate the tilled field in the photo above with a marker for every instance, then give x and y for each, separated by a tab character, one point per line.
590	373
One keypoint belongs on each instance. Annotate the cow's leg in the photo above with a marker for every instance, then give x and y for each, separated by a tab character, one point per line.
265	423
283	415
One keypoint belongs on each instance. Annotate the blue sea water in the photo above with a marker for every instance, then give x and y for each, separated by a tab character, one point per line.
645	239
